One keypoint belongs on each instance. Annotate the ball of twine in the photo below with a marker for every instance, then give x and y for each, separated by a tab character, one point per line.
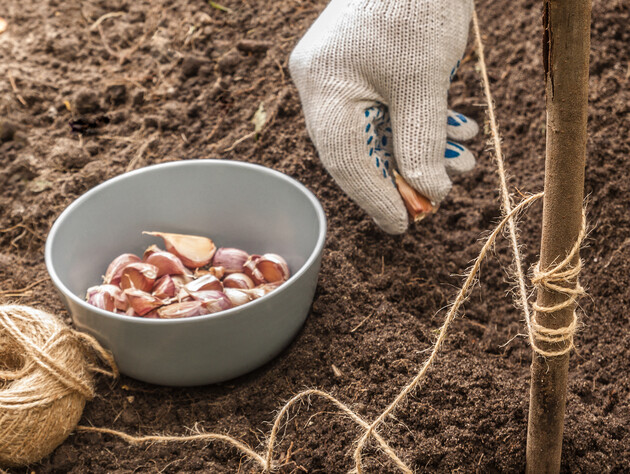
46	375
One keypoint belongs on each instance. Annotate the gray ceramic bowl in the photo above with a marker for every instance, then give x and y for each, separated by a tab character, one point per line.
235	204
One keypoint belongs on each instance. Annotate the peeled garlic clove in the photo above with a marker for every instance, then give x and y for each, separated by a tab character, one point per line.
236	296
273	268
167	263
252	271
417	205
139	275
150	251
231	259
164	288
141	301
193	250
238	280
114	270
185	309
206	282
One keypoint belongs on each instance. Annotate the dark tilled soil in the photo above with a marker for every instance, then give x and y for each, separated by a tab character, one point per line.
164	81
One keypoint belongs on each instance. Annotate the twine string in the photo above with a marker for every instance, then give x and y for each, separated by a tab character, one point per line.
45	360
561	278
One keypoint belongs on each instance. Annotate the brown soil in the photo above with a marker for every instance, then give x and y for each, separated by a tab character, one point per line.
163	81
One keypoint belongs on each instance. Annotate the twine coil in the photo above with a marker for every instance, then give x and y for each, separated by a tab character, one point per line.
563	279
46	375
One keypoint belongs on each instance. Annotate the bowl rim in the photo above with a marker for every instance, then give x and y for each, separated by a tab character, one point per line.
319	244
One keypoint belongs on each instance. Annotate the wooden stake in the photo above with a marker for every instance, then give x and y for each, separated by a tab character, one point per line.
566	45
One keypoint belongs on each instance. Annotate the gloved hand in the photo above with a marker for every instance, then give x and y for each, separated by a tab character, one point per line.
373	78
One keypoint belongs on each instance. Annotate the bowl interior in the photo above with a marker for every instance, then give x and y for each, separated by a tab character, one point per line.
235	204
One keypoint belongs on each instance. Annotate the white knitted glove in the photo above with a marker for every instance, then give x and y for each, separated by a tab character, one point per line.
364	61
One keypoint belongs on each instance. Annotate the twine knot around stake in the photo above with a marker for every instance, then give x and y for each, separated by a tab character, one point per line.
46	375
561	278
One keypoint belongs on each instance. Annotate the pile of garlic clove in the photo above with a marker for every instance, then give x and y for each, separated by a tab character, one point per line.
190	278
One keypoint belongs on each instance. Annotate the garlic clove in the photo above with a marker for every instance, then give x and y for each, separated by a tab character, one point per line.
150	251
417	205
218	272
236	296
181	280
206	282
152	315
167	263
231	259
107	297
164	288
100	299
193	250
138	275
141	301
185	309
238	280
261	290
213	300
252	271
273	268
114	270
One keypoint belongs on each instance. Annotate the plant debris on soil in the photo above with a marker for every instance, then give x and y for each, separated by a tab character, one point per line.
90	90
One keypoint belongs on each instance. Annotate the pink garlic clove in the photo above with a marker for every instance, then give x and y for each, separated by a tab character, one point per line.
152	315
231	259
273	267
237	297
138	275
182	310
167	263
100	299
206	282
252	271
150	251
141	301
114	270
238	280
164	288
213	300
181	280
193	250
107	297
